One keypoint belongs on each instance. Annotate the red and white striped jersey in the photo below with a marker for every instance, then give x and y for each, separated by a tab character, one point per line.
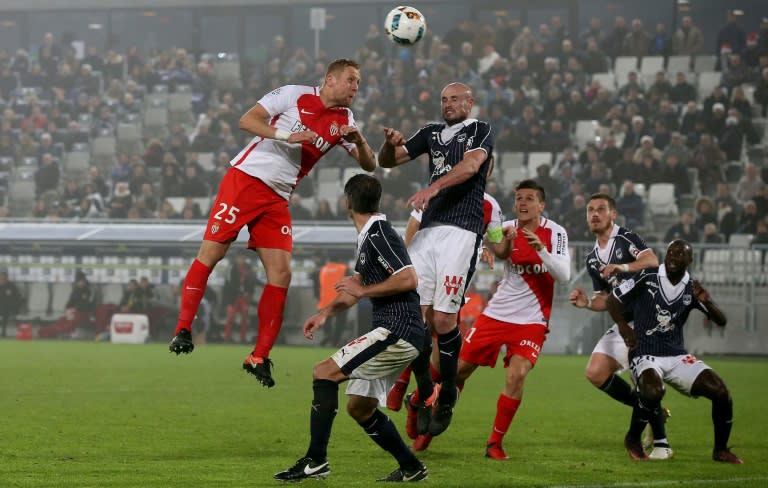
293	108
525	294
491	214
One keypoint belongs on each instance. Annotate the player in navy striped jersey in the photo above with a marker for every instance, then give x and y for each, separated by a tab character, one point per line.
372	362
452	224
617	255
660	300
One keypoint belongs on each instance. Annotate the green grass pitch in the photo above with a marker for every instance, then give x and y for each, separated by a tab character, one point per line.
78	414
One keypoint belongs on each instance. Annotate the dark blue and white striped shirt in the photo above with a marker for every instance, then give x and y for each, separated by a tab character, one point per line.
623	248
660	310
460	205
380	254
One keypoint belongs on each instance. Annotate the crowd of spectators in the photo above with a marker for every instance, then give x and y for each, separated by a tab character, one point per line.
532	84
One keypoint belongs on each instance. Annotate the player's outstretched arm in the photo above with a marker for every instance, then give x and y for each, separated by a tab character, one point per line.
393	151
403	280
580	299
362	151
341	302
558	261
461	172
713	311
254	122
646	259
410	230
616	309
503	249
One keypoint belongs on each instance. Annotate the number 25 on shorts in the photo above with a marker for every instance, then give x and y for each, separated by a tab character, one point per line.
226	213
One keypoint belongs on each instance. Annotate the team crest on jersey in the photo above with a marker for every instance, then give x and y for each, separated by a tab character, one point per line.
686	299
461	138
214	228
334	130
619	254
633	250
362	258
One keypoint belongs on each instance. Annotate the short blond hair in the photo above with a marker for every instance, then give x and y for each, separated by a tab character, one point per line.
339	65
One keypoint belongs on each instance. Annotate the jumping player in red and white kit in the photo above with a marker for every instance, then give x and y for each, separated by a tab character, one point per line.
294	126
535	255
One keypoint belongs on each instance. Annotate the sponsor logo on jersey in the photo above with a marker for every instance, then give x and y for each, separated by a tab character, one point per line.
522	269
626	286
453	284
438	159
664	321
214	228
633	250
298	127
385	264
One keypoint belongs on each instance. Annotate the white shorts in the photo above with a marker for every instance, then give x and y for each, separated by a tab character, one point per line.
612	344
442	256
373	362
678	371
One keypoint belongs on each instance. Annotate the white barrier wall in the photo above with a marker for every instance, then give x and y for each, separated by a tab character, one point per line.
129	328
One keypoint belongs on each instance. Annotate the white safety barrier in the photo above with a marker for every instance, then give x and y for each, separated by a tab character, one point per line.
129	328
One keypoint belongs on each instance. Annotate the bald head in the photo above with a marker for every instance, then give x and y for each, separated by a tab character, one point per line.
456	102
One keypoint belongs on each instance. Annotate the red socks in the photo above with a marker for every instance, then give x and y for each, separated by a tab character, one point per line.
271	306
506	408
405	376
192	292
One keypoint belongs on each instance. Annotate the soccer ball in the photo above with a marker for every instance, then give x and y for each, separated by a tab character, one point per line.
405	26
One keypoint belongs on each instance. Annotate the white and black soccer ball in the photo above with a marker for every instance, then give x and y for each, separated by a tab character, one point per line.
405	26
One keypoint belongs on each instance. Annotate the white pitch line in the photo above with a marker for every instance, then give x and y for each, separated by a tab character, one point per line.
190	235
88	234
668	482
